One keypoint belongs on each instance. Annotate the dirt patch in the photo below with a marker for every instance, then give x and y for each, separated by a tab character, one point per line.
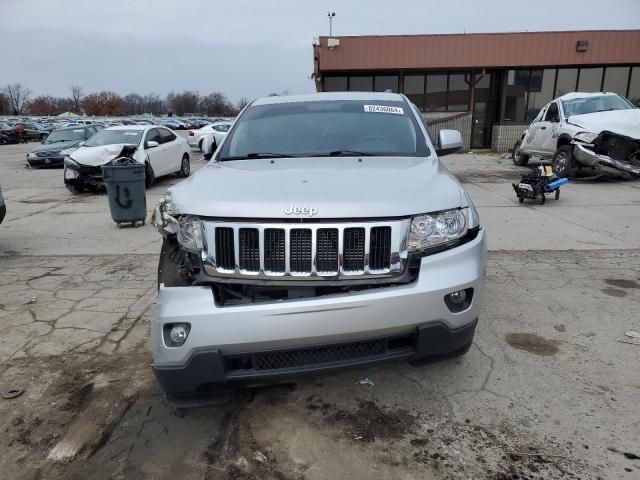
560	328
614	292
235	455
532	343
368	422
622	283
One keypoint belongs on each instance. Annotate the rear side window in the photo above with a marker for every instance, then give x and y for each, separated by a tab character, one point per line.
166	135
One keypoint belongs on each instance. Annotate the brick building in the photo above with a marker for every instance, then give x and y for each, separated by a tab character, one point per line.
488	85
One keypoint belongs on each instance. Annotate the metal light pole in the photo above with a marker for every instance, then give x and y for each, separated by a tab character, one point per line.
331	16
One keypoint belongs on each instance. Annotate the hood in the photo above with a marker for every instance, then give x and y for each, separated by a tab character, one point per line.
622	122
55	146
97	156
340	187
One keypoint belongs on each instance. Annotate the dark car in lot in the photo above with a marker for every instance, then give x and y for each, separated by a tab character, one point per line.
50	153
29	131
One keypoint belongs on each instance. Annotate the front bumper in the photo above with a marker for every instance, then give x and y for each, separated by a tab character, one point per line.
220	334
84	176
49	161
595	160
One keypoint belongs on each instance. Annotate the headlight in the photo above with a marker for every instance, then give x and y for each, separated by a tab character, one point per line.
438	228
190	233
586	137
70	162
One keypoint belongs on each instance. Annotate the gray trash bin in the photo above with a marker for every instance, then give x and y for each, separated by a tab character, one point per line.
124	179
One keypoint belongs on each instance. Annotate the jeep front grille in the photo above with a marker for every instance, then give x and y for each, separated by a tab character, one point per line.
295	251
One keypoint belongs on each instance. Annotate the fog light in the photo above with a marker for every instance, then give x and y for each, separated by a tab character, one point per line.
458	297
459	301
178	334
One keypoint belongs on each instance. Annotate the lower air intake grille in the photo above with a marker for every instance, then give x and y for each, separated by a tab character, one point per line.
319	355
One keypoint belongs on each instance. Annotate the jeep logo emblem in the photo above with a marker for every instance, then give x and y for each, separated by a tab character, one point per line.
292	210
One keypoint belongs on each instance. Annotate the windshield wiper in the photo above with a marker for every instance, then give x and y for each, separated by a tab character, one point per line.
349	153
259	155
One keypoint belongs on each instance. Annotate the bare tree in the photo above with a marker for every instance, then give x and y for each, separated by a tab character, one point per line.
18	96
76	97
243	102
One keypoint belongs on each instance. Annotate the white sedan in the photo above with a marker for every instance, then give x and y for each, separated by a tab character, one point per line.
160	150
195	137
213	139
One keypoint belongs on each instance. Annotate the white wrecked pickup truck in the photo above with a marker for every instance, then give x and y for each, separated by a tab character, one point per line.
585	134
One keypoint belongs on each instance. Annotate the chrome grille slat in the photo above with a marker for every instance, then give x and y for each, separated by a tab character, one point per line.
319	250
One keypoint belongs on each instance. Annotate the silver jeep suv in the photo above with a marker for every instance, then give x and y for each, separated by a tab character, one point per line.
323	234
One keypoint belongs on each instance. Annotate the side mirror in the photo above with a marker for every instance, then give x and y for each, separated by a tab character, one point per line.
449	141
152	144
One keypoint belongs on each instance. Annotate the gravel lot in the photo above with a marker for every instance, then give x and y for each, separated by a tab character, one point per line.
548	390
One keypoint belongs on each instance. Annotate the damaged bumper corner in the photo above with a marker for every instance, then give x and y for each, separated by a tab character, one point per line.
604	163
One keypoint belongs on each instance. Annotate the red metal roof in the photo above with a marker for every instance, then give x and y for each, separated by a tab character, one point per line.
479	50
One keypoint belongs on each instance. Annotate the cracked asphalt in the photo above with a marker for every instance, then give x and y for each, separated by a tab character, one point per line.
548	390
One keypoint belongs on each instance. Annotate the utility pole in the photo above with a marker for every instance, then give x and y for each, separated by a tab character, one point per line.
331	16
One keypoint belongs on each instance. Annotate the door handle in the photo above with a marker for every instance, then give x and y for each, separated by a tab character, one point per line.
543	128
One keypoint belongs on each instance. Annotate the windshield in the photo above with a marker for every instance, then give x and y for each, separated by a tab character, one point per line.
326	128
66	135
601	103
112	137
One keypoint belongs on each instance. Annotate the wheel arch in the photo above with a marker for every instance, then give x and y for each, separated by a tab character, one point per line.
563	139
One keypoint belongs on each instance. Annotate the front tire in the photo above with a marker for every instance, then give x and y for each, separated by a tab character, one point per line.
149	176
563	163
185	167
519	159
74	189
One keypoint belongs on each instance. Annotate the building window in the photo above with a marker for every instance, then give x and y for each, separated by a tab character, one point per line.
590	80
516	91
361	84
386	82
541	84
436	93
335	84
634	87
458	98
566	81
414	90
616	79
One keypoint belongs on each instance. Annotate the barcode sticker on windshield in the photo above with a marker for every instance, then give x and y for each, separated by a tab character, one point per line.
383	109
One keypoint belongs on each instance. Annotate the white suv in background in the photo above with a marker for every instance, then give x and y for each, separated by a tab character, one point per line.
585	134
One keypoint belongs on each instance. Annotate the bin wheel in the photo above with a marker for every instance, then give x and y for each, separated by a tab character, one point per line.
542	199
521	199
557	194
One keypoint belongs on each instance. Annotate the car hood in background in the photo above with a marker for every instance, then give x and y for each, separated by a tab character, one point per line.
55	146
96	156
340	187
622	122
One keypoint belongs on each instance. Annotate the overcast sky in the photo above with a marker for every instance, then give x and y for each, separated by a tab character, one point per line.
241	47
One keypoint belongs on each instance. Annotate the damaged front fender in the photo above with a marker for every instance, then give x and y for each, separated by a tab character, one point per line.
162	218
